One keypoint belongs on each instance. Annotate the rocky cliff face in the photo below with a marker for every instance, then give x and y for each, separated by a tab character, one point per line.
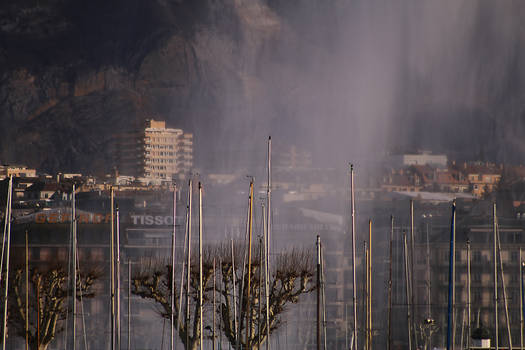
343	79
72	75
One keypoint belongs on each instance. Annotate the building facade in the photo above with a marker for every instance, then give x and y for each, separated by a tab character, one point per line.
155	153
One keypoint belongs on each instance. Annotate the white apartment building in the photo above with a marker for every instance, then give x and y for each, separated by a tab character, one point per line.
156	153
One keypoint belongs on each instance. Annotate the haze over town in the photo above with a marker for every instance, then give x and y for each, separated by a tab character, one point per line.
130	100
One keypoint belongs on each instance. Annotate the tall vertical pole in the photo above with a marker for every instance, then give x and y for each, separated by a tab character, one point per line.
220	318
117	271
370	329
173	237
318	244
179	314
354	283
521	300
507	319
323	301
234	280
268	234
74	255
407	283
38	312
201	287
250	225
188	267
365	295
129	304
8	248
4	235
429	291
214	306
469	304
266	281
412	263
259	297
27	293
112	267
389	340
451	326
495	274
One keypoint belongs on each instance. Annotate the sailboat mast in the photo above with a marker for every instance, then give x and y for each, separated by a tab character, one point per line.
364	312
318	244
234	278
4	235
188	266
214	306
250	225
8	247
469	321
200	266
323	300
74	257
179	314
495	274
259	297
267	240
117	271
407	283
354	283
521	300
27	293
412	263
507	319
112	267
389	340
370	285
172	316
452	282
266	275
430	320
129	304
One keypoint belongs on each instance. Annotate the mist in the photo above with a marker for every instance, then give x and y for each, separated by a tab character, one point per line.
343	80
355	80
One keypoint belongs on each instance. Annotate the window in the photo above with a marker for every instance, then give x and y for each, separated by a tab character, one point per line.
476	277
476	256
476	297
45	254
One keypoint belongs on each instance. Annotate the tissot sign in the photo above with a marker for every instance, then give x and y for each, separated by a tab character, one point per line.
62	216
150	220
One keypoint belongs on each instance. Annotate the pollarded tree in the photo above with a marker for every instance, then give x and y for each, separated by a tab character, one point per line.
154	282
290	277
49	296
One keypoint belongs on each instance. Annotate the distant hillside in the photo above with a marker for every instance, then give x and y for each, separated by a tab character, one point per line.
341	79
73	73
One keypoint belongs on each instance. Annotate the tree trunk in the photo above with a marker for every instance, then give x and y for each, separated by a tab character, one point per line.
33	346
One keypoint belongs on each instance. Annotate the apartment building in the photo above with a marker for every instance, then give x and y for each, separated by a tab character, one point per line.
155	153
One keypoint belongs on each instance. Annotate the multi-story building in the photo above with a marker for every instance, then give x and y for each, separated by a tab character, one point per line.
16	171
431	274
155	153
423	158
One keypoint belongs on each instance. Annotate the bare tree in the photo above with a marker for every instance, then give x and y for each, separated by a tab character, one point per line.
49	295
290	278
154	282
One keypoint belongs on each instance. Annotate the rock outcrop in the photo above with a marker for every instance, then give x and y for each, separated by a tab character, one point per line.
72	76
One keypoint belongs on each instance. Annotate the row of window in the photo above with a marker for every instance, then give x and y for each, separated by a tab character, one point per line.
161	160
159	146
